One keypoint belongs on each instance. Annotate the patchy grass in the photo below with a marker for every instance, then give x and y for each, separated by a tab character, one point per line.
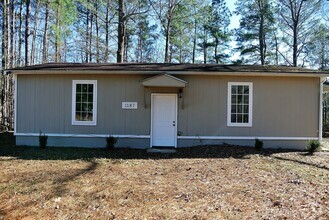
213	182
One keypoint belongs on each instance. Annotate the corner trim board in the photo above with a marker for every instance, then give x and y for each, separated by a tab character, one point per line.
15	103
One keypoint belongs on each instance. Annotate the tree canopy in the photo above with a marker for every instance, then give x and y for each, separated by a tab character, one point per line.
286	32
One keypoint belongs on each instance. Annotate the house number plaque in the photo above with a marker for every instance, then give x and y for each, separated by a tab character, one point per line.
129	105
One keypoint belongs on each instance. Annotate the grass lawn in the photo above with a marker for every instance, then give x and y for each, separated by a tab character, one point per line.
213	182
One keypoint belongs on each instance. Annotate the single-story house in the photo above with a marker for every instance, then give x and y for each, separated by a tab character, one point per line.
167	105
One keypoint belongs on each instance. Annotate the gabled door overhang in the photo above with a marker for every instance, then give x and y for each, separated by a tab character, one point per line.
164	80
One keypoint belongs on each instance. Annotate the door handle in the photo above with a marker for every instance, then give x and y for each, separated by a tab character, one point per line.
174	123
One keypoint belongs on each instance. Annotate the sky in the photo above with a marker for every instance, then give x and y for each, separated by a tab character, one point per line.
234	19
234	24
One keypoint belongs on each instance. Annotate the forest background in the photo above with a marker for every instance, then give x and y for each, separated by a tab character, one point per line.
277	32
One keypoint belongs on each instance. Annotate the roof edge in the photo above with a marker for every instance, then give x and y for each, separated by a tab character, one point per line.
205	73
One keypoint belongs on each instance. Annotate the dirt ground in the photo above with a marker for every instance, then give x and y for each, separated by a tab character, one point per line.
206	182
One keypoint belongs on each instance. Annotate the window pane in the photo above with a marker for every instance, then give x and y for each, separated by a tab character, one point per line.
239	99
239	109
90	97
245	118
245	89
245	109
78	88
90	107
84	87
84	98
240	88
83	116
246	99
233	118
90	88
78	107
84	107
234	90
233	108
90	116
78	97
233	99
78	116
239	119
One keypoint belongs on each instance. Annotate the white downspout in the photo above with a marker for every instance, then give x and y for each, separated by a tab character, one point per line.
322	80
15	104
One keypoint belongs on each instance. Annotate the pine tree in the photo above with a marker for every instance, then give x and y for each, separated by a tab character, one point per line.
297	19
254	34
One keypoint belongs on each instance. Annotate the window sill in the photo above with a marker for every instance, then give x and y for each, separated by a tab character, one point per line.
239	125
84	123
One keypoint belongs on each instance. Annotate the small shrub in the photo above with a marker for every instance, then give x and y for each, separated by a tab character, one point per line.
111	141
313	146
258	144
43	138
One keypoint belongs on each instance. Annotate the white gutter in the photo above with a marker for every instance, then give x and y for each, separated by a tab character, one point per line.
322	80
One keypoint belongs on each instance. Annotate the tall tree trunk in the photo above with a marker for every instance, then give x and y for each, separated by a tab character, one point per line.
261	40
91	37
205	46
12	37
194	41
295	45
139	53
166	58
27	32
20	36
97	33
57	40
36	19
4	35
121	32
45	35
106	57
87	36
125	59
216	50
276	50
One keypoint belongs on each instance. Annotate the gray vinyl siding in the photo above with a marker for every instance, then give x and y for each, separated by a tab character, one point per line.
282	106
49	105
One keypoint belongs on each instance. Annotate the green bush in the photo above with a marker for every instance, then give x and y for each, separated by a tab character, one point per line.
258	144
43	138
313	146
111	141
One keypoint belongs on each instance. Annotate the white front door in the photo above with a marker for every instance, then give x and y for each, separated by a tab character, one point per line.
164	120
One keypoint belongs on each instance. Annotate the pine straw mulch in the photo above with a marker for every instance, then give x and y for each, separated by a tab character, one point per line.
206	182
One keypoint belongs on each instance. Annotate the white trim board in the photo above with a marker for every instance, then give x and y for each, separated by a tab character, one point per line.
15	102
179	137
247	138
83	135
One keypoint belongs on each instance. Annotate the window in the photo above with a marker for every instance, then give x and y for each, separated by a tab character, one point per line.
84	102
239	108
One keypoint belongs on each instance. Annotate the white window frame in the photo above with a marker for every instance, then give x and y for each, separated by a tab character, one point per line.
74	84
229	103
